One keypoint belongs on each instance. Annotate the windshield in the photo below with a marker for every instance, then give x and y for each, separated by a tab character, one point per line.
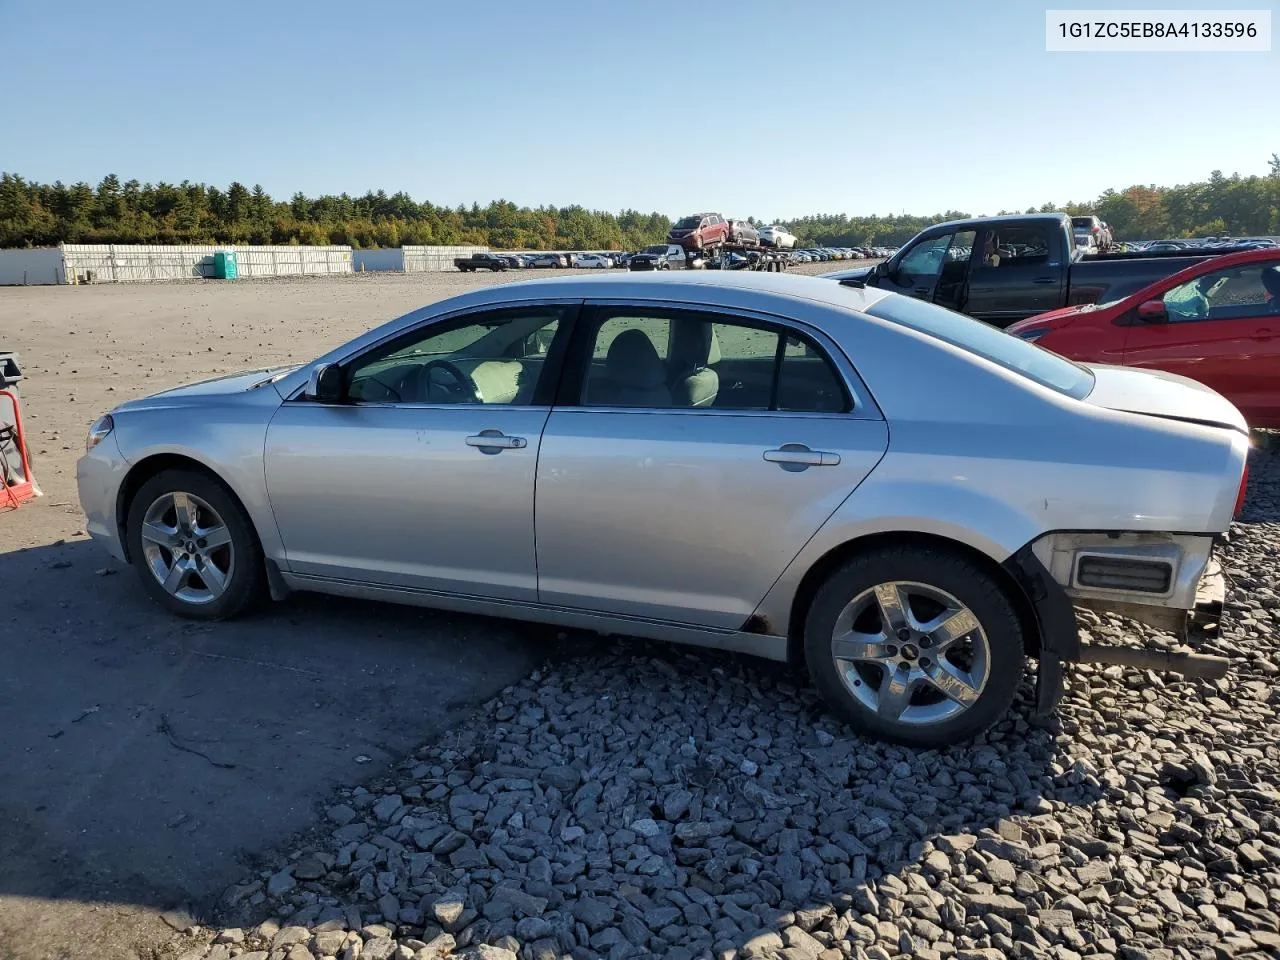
688	223
1013	353
1082	223
655	248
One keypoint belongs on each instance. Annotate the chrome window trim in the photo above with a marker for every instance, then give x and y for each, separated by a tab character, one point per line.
713	412
864	405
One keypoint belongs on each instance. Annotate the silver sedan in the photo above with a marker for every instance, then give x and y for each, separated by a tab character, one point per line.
908	502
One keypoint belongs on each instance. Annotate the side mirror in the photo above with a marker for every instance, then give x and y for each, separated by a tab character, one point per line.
326	384
1152	311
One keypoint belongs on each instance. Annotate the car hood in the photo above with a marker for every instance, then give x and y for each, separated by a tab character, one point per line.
231	384
1159	394
1047	318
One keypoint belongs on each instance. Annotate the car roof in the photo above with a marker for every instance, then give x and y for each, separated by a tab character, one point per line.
691	285
1053	218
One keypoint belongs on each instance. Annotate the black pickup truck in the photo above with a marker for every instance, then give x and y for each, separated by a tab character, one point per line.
1004	269
482	261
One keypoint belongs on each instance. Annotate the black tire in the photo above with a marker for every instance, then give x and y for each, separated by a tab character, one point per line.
943	570
247	577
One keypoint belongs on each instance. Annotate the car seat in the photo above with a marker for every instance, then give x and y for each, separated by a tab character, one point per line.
695	350
635	375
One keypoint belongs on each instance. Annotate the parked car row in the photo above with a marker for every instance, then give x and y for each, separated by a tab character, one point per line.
823	254
1217	244
691	242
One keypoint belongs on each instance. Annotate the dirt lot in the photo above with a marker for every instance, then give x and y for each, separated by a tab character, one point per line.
147	760
152	763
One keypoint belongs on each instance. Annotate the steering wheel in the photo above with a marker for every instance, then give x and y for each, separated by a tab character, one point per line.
462	390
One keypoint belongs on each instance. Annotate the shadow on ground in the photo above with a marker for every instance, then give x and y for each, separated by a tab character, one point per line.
144	756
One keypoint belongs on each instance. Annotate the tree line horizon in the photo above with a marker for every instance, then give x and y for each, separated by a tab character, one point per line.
34	214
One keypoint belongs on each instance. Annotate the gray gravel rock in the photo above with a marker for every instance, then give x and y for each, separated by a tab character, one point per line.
639	800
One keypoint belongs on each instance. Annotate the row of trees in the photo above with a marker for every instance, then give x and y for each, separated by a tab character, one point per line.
34	215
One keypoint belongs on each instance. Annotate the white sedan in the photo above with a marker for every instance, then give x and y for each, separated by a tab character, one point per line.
775	236
592	261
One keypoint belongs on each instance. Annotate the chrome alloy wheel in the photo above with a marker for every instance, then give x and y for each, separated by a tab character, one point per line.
911	653
187	547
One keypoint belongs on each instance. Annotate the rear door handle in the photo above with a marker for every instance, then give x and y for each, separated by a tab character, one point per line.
1263	334
491	441
919	291
796	456
1045	280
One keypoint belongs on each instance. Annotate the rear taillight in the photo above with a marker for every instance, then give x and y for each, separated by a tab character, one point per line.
1244	483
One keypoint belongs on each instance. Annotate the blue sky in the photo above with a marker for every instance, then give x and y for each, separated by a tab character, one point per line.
771	109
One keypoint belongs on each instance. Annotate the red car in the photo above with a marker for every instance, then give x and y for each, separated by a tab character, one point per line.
702	231
1217	322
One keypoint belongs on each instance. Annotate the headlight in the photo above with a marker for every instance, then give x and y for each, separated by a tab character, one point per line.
1034	334
101	427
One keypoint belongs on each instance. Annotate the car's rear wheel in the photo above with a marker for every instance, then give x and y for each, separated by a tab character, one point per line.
916	646
193	546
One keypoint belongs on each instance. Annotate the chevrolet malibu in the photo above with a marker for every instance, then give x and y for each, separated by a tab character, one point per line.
905	500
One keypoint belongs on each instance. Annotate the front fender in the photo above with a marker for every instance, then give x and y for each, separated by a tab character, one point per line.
227	441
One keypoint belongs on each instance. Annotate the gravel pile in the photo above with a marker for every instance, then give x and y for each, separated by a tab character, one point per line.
643	800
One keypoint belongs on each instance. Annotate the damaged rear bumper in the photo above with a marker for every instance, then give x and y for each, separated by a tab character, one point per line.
1054	606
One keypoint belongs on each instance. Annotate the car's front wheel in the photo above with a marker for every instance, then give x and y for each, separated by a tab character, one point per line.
193	546
915	646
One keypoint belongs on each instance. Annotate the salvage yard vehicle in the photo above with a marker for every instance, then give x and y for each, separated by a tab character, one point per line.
1090	232
592	261
482	261
1217	322
744	233
547	260
757	462
1005	269
659	256
702	231
776	236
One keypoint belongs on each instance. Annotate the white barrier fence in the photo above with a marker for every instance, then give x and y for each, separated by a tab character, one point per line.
128	263
110	263
435	259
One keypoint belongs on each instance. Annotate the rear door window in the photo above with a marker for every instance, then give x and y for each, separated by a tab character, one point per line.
660	357
1020	246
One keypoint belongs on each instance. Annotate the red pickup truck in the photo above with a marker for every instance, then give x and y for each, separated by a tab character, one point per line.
1217	322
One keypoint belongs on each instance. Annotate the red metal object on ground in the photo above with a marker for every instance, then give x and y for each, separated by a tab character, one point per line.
14	495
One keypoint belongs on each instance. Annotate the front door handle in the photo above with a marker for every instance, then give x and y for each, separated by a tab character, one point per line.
1263	334
796	456
919	291
491	441
1045	280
